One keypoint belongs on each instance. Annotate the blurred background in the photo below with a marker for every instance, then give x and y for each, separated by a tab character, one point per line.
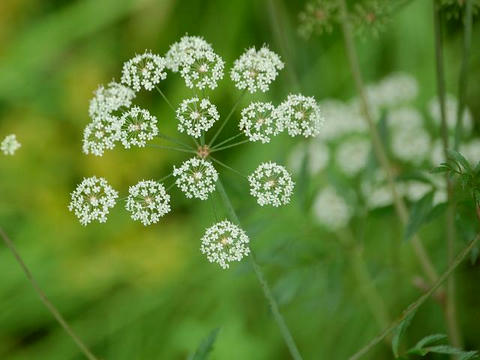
135	292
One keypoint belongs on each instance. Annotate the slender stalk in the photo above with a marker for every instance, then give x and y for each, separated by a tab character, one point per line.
166	99
450	308
229	146
227	167
287	336
43	298
175	141
378	147
463	78
419	302
228	117
227	140
171	148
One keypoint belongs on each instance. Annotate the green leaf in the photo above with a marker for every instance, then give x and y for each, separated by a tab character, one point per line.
460	159
440	169
399	331
427	340
419	215
206	346
447	349
435	212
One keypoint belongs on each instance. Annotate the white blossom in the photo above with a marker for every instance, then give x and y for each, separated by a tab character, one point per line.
330	209
137	127
182	50
451	105
196	178
258	123
101	134
471	151
109	99
196	115
395	89
317	156
405	118
411	145
376	191
415	190
343	119
10	144
148	202
255	70
271	184
352	155
92	200
299	115
225	242
144	71
202	68
437	154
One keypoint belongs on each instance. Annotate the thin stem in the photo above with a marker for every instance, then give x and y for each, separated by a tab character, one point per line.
463	78
229	146
165	177
227	140
166	99
227	118
175	141
378	147
227	167
450	308
171	148
287	336
419	302
50	307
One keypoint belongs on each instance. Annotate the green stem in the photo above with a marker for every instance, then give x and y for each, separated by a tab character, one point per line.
450	308
43	298
419	302
378	147
166	99
175	141
462	80
229	146
228	167
227	140
171	148
287	336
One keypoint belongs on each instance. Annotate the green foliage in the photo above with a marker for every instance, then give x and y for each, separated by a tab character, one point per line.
206	346
423	348
421	213
400	331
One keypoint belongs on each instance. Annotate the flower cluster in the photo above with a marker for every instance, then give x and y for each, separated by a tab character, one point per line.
10	144
225	242
137	126
352	155
148	202
258	123
108	99
330	209
100	135
271	184
196	115
196	178
144	71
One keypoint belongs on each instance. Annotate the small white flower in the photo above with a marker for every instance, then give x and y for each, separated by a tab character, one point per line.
182	50
415	190
196	115
395	89
92	200
257	122
352	155
317	156
343	119
437	154
225	242
300	115
111	98
101	134
471	151
330	209
196	178
451	105
411	145
148	202
271	184
255	70
376	191
10	144
144	70
137	127
405	118
202	68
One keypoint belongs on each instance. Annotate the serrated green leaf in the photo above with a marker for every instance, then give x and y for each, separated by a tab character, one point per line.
459	159
427	340
447	349
206	346
419	215
399	331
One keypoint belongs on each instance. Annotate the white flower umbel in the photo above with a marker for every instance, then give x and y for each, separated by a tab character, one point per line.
352	155
101	134
92	200
451	105
111	98
342	118
180	51
255	70
437	155
137	127
471	151
196	178
257	122
196	115
331	210
415	190
144	71
299	115
10	144
404	118
202	68
411	145
147	202
395	89
271	184
225	242
317	156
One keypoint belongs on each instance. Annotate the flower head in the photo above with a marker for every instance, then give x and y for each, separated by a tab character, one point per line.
255	70
202	68
92	200
395	89
180	52
196	115
451	105
411	145
271	184
101	134
148	202
342	118
300	115
10	144
317	156
225	242
330	209
258	123
352	155
196	178
110	98
137	127
144	70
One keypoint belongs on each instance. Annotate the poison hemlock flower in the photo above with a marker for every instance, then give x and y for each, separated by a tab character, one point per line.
108	99
196	178
300	116
376	191
352	155
342	120
317	156
393	90
179	52
92	200
255	70
318	17
224	243
137	127
10	144
271	184
144	71
148	202
196	115
451	105
471	151
411	145
258	123
331	210
101	134
415	190
202	68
